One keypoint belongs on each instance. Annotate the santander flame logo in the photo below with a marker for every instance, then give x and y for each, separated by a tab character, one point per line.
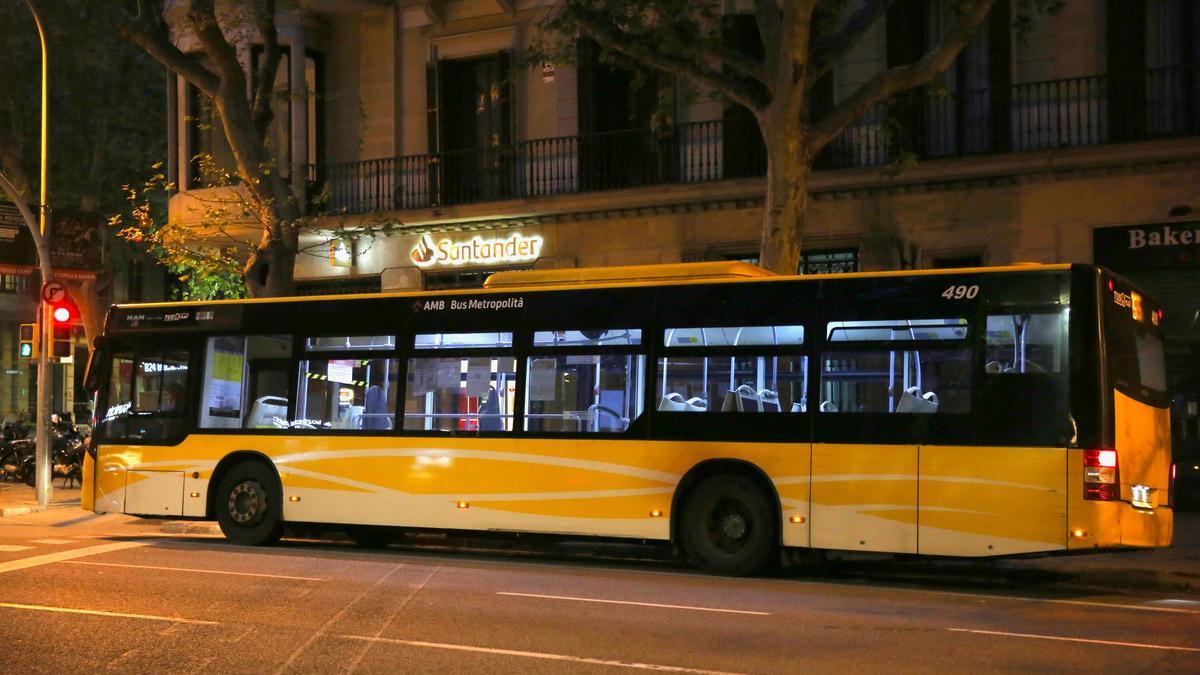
422	253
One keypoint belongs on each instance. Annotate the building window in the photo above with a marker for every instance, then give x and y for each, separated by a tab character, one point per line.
470	116
14	283
956	261
829	261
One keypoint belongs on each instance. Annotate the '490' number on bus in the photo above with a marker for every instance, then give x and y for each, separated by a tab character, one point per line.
961	292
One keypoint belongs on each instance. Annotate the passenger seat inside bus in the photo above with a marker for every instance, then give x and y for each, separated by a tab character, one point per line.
913	401
265	410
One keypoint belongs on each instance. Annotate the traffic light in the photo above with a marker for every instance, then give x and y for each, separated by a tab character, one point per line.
28	341
64	313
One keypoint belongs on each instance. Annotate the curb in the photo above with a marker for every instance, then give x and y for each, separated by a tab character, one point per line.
190	527
11	511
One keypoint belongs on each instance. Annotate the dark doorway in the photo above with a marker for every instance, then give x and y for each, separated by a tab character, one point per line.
474	128
625	140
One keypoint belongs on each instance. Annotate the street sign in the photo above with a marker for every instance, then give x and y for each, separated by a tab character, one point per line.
53	291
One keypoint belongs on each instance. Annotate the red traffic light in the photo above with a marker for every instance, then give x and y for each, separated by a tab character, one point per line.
62	314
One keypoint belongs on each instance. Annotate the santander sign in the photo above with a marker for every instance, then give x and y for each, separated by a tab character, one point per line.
474	251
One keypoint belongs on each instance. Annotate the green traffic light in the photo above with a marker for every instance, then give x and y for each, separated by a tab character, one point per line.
26	350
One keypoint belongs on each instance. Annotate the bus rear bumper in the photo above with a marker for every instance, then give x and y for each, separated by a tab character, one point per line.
1119	525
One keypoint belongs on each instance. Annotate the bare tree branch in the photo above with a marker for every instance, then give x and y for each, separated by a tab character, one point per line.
149	31
768	18
900	78
826	54
749	93
260	101
739	63
224	57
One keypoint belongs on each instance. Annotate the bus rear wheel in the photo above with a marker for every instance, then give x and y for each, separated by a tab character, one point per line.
729	527
248	505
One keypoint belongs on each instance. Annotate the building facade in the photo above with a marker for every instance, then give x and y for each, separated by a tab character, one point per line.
1075	140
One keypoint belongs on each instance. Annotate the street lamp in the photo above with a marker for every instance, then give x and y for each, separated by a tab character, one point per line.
43	368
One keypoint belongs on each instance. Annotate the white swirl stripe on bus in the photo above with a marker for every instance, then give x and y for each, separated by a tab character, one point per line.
501	456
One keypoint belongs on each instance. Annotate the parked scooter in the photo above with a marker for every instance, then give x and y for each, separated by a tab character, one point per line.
66	453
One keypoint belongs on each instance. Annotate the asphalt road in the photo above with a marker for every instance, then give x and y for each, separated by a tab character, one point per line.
109	593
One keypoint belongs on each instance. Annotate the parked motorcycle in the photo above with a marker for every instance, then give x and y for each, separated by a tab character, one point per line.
66	453
15	448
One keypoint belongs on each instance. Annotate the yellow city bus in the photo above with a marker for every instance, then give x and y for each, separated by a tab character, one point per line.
972	412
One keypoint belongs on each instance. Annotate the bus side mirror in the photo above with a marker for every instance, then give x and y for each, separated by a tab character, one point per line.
101	346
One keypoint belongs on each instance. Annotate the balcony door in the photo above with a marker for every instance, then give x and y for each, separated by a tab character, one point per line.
617	106
473	132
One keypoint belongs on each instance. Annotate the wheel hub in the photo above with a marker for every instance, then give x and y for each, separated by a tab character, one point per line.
733	526
246	502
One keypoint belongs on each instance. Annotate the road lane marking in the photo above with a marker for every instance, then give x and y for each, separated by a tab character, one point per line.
97	612
535	655
13	548
39	560
56	542
639	604
1055	601
191	569
1140	645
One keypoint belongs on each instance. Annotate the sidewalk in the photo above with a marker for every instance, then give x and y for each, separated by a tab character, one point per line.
1173	569
1176	568
17	498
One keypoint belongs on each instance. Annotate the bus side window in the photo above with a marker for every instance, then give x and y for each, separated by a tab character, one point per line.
754	383
592	393
460	393
899	381
1026	343
246	382
1025	378
345	393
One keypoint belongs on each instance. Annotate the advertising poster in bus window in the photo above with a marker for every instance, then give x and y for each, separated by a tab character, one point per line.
225	389
479	375
341	371
422	378
542	376
449	373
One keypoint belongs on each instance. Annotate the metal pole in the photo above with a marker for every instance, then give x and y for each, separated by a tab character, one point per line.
47	337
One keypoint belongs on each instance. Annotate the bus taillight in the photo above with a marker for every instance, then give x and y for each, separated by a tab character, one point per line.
1100	475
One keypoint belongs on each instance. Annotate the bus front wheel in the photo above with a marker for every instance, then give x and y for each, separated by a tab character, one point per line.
248	505
728	527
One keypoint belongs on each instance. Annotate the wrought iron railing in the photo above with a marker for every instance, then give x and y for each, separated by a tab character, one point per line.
1030	116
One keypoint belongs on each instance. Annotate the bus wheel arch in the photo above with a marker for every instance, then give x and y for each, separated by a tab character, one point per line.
741	491
251	479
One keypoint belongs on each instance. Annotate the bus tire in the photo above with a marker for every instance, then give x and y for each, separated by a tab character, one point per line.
249	505
729	527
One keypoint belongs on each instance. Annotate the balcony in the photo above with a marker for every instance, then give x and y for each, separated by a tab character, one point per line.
1075	112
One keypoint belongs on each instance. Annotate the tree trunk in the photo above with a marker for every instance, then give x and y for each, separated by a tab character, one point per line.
787	196
268	272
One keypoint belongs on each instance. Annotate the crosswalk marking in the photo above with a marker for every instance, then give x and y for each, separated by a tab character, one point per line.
39	560
12	548
52	541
